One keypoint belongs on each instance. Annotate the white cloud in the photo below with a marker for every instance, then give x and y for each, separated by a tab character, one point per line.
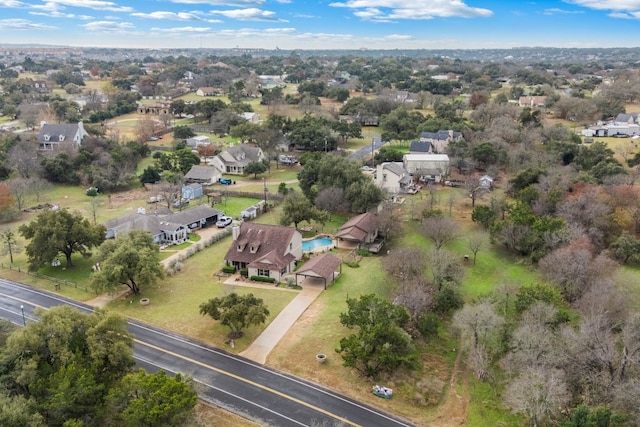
23	24
386	10
56	14
181	30
556	11
398	37
12	3
627	5
109	26
233	3
251	14
94	4
180	16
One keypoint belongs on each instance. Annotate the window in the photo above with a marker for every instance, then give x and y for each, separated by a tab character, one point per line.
384	177
264	273
290	246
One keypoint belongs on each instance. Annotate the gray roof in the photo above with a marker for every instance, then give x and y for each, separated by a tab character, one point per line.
441	135
201	173
396	168
58	132
420	147
135	221
240	155
197	213
627	118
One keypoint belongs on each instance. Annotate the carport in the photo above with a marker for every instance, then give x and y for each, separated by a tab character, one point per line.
323	267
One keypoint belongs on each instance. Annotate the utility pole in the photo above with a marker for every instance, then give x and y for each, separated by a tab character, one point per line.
264	180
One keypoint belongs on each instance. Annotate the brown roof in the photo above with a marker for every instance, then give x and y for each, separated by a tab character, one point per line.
321	266
262	246
199	172
358	227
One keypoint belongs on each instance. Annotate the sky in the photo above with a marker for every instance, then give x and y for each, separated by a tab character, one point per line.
320	24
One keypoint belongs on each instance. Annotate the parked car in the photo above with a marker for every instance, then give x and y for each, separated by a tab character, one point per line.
156	199
224	181
223	221
153	138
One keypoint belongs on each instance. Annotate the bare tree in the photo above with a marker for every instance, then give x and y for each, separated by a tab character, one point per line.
452	198
475	242
445	267
405	264
538	393
440	230
19	189
39	187
23	157
389	224
332	200
95	206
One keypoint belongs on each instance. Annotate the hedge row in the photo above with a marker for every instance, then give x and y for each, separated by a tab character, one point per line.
263	279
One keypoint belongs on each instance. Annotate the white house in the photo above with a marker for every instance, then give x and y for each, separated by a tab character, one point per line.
198	140
233	160
392	177
434	167
52	135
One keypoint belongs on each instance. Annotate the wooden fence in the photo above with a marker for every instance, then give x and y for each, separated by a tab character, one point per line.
57	282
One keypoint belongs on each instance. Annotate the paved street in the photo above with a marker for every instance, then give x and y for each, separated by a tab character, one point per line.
232	382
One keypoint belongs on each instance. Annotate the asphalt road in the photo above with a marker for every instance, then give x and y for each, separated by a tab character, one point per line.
239	385
376	143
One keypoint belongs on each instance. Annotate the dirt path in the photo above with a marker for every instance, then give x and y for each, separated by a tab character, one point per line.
453	410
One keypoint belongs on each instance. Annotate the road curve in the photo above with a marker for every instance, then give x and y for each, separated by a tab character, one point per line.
234	383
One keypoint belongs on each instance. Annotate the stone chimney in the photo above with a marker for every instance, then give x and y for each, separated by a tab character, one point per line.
235	232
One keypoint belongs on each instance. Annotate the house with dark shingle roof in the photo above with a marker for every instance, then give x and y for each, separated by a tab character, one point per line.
419	147
265	250
361	229
440	140
627	118
52	135
163	229
235	159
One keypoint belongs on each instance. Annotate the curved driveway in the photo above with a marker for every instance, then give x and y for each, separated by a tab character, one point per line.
239	385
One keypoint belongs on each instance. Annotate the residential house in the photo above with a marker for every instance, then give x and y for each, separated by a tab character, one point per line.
360	230
197	217
251	117
40	86
440	140
392	177
192	191
197	140
420	147
265	250
207	91
163	229
235	159
485	182
52	135
432	167
627	118
532	101
205	175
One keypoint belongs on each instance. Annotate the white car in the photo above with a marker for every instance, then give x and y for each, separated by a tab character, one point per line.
223	221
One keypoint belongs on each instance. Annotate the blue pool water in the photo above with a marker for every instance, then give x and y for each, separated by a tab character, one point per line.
318	242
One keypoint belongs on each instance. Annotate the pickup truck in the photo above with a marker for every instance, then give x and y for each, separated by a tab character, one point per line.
156	199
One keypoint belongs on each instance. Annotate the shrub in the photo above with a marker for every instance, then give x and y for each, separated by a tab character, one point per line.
428	325
244	272
353	264
447	300
364	252
228	269
263	279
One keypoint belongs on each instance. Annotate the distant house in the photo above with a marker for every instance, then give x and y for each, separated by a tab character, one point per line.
251	117
52	135
627	118
205	175
197	140
360	230
163	229
40	86
440	140
235	159
207	91
265	250
532	101
197	217
172	228
392	177
433	167
192	191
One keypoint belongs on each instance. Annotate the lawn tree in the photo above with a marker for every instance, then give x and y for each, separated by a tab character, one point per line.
9	244
538	393
332	200
445	268
255	168
67	361
131	260
440	230
55	232
183	132
480	328
406	266
157	399
236	312
475	242
363	195
297	208
389	221
24	159
380	343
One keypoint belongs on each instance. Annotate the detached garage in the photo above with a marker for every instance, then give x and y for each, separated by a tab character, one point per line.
323	268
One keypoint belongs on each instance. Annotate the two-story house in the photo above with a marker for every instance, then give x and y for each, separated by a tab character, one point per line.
440	140
235	159
265	250
52	135
392	177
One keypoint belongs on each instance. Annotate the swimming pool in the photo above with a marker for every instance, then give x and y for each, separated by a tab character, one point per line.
318	242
